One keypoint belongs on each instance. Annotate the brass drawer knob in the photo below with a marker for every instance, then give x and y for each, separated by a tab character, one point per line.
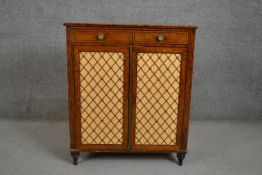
100	36
160	37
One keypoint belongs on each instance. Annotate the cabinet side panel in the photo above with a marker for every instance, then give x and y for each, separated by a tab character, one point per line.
71	103
189	73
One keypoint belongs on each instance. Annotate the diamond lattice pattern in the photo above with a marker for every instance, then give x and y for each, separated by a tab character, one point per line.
158	77
101	97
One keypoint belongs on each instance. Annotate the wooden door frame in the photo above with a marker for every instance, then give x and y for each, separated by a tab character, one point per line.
77	127
158	148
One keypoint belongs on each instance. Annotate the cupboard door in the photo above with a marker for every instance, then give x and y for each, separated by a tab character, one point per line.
101	95
158	81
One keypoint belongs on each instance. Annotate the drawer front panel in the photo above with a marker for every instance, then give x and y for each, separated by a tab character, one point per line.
157	113
102	36
162	37
103	82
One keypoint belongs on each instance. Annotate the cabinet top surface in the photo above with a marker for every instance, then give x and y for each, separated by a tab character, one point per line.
170	26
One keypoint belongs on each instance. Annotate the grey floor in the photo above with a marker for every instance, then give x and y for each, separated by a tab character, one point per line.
41	147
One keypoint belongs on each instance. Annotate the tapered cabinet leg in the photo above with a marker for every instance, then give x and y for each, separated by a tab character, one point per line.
75	156
180	157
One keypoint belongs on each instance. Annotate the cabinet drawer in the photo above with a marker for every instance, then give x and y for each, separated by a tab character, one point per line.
102	36
162	37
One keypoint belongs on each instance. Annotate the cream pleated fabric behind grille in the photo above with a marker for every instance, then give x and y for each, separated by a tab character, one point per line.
158	77
101	97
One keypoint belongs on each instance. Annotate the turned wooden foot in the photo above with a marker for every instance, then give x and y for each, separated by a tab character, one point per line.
75	156
180	157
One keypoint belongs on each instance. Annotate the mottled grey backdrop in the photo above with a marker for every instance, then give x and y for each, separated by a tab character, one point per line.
227	81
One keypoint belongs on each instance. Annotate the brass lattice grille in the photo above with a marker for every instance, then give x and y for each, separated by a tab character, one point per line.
158	77
101	97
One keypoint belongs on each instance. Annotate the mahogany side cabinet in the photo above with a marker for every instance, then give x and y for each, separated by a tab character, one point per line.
129	87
